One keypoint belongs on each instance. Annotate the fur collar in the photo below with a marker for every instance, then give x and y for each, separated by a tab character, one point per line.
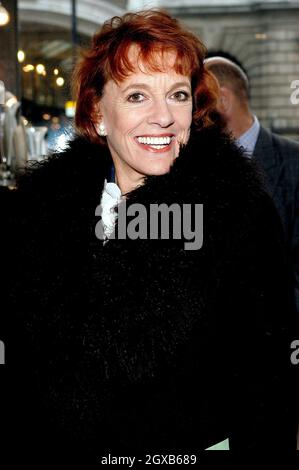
209	167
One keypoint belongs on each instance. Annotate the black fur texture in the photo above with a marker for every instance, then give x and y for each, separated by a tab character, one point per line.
141	345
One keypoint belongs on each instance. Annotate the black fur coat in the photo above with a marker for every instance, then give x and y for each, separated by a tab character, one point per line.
141	345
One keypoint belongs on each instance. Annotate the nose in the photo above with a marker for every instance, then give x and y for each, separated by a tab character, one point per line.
161	114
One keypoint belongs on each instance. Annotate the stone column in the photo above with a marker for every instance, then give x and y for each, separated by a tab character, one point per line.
9	67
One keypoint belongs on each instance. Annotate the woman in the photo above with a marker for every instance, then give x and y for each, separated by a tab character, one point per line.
138	344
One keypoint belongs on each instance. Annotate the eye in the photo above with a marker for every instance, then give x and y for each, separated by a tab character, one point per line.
136	98
180	96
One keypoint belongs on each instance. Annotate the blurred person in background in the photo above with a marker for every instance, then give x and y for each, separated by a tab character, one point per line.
277	156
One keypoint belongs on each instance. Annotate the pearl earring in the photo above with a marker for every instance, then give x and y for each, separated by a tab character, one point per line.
102	130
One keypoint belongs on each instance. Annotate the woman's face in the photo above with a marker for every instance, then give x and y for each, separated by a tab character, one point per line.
146	117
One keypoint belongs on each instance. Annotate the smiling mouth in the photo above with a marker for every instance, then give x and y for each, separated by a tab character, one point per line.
155	143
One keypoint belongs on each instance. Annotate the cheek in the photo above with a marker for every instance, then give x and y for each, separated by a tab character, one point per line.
184	132
183	135
184	118
116	118
125	124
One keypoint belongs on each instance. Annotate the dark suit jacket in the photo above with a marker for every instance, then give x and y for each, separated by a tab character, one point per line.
279	159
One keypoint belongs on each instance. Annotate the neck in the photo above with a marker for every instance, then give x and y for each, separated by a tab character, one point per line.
127	181
239	123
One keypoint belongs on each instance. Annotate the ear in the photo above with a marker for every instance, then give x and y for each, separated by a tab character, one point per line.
225	101
101	129
99	122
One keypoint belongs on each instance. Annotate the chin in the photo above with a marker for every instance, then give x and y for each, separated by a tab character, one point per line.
160	168
159	171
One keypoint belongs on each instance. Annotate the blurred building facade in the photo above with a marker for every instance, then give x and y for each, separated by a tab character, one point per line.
262	36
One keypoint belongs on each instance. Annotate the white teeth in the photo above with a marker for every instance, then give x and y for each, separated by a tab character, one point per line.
154	140
159	146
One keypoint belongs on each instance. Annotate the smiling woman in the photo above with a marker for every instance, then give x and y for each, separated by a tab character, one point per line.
146	93
147	117
117	51
137	344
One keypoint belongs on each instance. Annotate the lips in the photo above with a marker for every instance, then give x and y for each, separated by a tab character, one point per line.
155	143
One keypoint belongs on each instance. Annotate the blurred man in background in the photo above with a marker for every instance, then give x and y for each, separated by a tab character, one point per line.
278	157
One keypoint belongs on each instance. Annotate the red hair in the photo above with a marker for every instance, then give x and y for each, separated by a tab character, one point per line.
153	32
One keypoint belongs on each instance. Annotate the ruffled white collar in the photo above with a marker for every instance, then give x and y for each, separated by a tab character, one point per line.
111	197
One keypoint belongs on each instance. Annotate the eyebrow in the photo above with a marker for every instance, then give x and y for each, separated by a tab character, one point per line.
147	87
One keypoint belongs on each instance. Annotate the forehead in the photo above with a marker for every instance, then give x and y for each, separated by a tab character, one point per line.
158	72
158	61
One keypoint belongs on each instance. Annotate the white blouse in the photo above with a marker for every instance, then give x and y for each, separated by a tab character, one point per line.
111	197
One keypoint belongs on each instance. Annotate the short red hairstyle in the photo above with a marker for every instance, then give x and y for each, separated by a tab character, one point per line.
153	32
